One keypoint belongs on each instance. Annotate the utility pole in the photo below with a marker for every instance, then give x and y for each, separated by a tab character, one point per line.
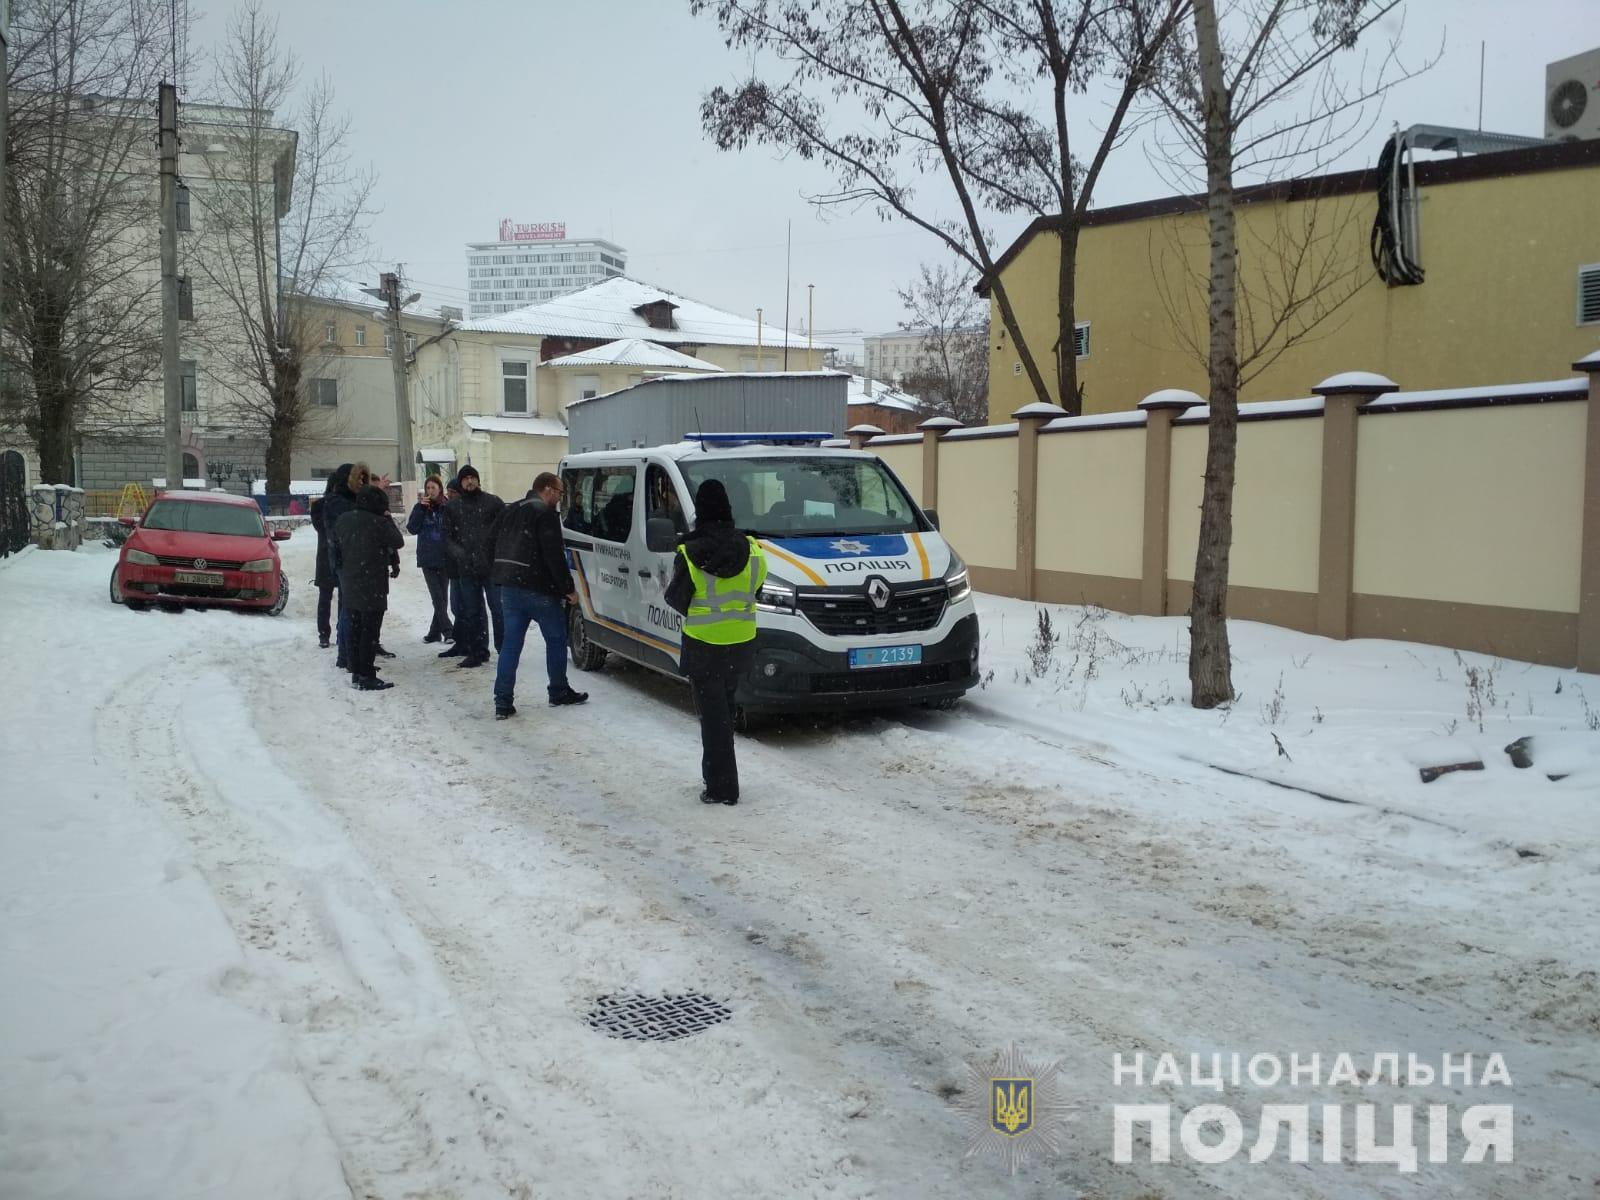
167	112
389	290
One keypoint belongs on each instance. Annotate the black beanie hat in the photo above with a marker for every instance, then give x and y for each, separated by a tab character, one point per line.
711	503
469	469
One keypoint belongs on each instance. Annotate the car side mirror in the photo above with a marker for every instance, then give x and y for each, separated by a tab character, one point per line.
130	522
933	516
660	535
281	535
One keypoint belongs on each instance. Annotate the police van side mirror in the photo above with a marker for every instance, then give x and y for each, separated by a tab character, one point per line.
933	516
660	535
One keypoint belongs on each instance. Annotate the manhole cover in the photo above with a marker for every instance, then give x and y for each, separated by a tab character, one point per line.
637	1018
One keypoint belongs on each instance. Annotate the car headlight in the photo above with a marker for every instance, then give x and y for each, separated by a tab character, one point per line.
956	579
140	558
258	564
775	596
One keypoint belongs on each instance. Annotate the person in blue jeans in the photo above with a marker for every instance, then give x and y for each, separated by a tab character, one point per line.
530	571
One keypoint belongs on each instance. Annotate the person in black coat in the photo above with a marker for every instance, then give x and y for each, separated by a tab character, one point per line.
530	571
340	501
369	545
426	524
326	579
469	522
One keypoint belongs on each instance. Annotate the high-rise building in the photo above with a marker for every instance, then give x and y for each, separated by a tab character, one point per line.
533	263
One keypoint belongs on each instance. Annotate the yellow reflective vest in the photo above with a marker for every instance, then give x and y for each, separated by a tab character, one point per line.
723	611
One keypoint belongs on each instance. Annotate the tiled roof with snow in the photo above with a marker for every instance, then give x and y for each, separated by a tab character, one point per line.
605	310
633	352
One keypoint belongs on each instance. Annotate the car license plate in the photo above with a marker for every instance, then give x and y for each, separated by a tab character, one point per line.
203	578
885	656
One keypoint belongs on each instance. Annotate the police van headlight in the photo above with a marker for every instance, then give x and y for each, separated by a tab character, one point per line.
956	579
775	597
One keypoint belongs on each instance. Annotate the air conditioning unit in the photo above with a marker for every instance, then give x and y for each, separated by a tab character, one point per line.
1572	98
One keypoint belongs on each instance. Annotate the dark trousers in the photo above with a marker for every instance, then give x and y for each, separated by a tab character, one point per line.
325	609
438	590
714	673
365	627
343	627
472	619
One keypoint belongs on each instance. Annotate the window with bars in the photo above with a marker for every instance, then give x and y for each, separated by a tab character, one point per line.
1589	294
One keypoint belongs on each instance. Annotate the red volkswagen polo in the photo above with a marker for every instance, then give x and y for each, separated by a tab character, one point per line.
201	548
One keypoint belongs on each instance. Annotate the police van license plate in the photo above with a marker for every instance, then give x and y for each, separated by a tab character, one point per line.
203	578
885	656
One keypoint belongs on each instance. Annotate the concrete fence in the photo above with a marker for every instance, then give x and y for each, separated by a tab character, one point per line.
1468	517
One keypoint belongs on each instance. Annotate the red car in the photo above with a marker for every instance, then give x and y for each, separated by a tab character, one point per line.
201	548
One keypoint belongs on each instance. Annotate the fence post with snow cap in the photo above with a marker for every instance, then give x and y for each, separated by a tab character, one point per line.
1589	563
1160	409
933	429
1343	396
860	435
1029	418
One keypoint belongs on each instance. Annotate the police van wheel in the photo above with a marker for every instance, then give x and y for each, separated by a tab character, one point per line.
586	656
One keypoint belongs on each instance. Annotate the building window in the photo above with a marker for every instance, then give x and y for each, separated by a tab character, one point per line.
411	345
588	386
361	335
183	208
514	387
1589	294
191	466
330	334
325	393
388	343
188	388
185	299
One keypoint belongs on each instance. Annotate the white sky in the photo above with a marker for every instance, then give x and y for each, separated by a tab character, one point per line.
589	113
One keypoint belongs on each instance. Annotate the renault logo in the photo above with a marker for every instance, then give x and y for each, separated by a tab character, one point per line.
878	593
200	565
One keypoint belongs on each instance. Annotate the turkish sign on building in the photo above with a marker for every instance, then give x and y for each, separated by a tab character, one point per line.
539	231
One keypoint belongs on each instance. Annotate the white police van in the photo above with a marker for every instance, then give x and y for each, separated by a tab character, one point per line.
864	604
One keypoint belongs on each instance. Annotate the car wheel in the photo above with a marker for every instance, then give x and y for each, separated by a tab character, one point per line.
116	584
586	656
283	596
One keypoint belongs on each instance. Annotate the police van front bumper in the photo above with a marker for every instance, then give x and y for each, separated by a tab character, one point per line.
792	674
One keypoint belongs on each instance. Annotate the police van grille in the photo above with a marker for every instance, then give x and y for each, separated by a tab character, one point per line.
850	613
887	679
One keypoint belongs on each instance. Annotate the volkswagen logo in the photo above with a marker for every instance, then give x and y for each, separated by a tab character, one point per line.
199	564
878	593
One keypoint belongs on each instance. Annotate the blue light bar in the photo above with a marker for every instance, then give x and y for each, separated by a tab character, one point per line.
745	439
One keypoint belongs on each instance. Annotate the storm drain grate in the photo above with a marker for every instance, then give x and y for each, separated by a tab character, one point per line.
637	1018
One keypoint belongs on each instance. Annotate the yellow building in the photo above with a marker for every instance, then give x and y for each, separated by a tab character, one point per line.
1509	243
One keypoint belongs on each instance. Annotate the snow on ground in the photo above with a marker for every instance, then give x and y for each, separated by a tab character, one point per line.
269	937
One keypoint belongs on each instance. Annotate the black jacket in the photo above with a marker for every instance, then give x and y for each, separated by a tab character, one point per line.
717	548
325	576
528	549
469	522
368	539
334	506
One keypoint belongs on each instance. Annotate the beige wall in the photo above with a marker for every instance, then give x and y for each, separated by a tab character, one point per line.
1481	506
514	460
906	462
978	490
1091	502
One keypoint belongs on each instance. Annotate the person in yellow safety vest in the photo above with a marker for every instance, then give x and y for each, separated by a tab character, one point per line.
715	578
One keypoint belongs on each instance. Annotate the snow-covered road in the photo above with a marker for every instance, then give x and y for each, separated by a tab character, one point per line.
267	936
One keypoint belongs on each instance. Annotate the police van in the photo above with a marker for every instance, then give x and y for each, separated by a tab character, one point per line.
864	604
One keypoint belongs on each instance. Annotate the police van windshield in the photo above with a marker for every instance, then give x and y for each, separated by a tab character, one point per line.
809	497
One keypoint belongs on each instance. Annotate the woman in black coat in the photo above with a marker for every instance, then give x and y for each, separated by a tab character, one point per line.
327	579
369	543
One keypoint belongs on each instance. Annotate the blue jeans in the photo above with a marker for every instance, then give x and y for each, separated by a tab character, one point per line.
523	607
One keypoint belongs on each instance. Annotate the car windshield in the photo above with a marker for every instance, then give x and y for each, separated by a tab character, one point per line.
198	517
809	496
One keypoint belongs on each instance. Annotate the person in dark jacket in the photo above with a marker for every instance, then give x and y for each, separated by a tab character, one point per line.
458	649
530	570
426	524
469	522
715	579
369	545
326	579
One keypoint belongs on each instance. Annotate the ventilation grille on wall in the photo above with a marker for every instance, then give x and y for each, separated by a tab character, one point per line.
1589	294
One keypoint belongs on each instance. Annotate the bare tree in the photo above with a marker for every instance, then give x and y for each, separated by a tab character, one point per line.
950	370
1259	91
949	95
82	303
268	237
